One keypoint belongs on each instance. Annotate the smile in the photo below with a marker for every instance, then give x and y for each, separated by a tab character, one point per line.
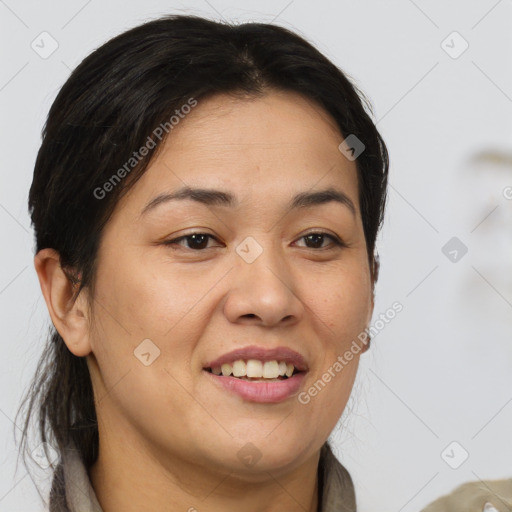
257	381
254	369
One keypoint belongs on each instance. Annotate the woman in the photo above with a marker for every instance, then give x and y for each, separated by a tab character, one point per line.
206	201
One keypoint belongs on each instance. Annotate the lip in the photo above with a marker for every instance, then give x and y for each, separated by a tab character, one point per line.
261	354
266	392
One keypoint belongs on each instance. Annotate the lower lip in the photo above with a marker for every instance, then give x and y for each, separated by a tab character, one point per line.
268	392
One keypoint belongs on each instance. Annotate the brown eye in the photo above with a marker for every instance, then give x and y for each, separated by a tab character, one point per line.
196	241
316	240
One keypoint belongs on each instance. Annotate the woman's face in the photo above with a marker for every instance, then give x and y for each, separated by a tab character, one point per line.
252	278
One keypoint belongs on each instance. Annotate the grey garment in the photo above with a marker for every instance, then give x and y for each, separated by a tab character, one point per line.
72	490
71	487
335	487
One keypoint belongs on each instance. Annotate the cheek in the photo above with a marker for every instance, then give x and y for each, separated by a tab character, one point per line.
343	310
147	298
144	307
146	328
344	302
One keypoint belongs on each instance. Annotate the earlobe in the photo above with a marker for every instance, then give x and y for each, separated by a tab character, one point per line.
70	317
366	343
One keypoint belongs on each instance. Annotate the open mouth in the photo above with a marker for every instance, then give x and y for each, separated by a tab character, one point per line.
258	381
256	371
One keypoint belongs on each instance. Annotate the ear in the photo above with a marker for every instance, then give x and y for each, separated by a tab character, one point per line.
365	345
374	276
69	317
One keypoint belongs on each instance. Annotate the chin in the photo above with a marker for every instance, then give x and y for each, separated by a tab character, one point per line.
255	458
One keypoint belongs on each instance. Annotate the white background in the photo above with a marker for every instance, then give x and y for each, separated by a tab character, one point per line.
441	370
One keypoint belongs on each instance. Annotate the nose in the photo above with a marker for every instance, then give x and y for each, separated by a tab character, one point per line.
263	292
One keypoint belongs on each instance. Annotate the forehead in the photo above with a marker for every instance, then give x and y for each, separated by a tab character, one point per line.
277	121
276	143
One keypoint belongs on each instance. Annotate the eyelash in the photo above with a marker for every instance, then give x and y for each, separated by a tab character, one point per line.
337	241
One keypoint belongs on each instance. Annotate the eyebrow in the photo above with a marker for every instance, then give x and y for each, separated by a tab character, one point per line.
212	197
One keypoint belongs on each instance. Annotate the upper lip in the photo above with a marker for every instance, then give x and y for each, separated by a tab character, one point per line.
261	354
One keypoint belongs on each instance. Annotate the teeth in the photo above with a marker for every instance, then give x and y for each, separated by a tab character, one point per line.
255	369
239	369
271	370
226	369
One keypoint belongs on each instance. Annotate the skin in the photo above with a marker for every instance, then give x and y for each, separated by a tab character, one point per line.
168	437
